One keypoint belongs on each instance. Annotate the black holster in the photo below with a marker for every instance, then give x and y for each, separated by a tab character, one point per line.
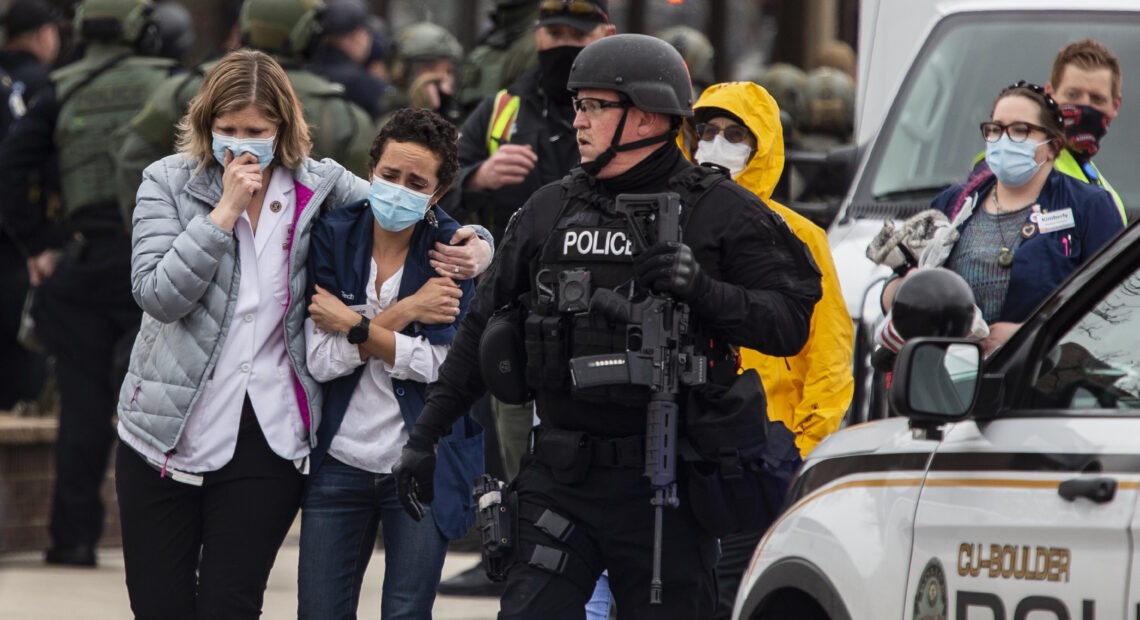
496	517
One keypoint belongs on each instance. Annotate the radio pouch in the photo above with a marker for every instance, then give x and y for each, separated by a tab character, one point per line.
567	453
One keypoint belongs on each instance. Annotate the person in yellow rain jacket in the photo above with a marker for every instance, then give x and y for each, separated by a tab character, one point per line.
737	125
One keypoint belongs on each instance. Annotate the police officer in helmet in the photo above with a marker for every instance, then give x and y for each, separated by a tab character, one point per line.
583	501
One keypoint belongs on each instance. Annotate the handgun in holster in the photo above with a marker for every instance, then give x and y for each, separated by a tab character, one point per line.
496	516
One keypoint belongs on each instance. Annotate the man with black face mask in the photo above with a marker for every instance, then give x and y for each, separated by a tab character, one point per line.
1085	81
513	143
523	137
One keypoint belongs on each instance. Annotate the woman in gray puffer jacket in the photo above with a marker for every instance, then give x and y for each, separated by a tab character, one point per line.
218	411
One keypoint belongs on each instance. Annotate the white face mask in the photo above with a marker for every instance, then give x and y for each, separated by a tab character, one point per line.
723	153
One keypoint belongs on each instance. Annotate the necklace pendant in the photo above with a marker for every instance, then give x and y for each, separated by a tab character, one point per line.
1005	258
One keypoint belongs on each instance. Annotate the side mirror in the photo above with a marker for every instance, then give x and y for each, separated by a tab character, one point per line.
936	380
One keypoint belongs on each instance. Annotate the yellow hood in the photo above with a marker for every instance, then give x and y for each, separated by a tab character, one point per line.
753	105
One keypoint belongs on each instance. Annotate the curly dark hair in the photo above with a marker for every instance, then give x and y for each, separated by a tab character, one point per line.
421	126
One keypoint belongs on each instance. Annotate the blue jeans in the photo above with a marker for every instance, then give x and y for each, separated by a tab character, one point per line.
340	514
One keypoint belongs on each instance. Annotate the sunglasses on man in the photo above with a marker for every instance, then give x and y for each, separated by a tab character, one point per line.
576	8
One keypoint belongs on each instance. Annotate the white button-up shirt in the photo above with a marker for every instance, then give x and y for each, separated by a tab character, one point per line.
253	359
373	430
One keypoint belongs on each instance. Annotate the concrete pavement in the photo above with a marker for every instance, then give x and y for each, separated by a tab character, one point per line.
31	590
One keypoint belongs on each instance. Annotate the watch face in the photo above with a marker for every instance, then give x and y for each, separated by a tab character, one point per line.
358	333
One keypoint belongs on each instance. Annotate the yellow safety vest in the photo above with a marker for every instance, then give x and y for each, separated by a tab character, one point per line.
502	124
1068	164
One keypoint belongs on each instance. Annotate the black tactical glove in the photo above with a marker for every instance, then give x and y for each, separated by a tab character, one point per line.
415	472
669	268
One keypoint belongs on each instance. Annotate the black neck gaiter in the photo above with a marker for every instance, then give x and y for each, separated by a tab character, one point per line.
649	175
554	72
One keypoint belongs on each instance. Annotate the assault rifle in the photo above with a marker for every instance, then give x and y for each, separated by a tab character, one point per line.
658	355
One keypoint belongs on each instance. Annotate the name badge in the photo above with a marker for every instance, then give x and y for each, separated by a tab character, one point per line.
1054	220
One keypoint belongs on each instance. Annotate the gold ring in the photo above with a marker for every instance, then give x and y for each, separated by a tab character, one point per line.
457	269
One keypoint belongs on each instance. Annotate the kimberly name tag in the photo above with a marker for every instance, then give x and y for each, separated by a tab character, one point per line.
1054	220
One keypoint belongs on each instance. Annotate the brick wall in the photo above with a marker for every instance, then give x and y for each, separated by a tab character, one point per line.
27	474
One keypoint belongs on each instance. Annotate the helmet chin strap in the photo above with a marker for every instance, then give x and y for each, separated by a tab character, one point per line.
592	168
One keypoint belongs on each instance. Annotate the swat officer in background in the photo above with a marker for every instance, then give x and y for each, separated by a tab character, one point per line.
424	60
343	49
747	279
281	28
830	118
84	312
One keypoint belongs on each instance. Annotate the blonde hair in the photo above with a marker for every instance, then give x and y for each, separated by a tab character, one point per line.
241	79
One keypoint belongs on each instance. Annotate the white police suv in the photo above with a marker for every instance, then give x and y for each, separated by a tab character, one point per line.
1006	489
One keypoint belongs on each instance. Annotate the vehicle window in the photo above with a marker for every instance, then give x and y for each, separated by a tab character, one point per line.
1096	364
930	138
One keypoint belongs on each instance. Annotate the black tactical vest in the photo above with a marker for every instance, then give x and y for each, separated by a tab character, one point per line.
590	246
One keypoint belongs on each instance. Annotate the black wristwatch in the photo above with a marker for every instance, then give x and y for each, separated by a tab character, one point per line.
358	334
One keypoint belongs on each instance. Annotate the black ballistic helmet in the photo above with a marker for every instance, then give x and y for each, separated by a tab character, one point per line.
933	302
648	71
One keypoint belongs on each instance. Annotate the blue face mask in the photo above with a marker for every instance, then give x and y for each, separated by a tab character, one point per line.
395	206
1013	163
261	148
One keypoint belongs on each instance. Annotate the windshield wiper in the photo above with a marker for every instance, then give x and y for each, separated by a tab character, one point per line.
914	192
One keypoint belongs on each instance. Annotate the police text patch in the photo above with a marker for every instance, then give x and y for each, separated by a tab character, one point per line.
597	244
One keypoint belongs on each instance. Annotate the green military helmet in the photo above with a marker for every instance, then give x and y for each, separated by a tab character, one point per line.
267	25
647	70
830	95
425	42
786	84
695	48
117	21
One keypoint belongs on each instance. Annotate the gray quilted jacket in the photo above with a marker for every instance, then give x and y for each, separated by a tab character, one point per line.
184	275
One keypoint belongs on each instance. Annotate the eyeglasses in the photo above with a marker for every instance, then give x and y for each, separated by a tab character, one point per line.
1018	132
733	133
593	107
577	8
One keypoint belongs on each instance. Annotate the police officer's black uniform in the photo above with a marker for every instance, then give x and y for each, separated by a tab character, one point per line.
23	371
85	314
584	504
